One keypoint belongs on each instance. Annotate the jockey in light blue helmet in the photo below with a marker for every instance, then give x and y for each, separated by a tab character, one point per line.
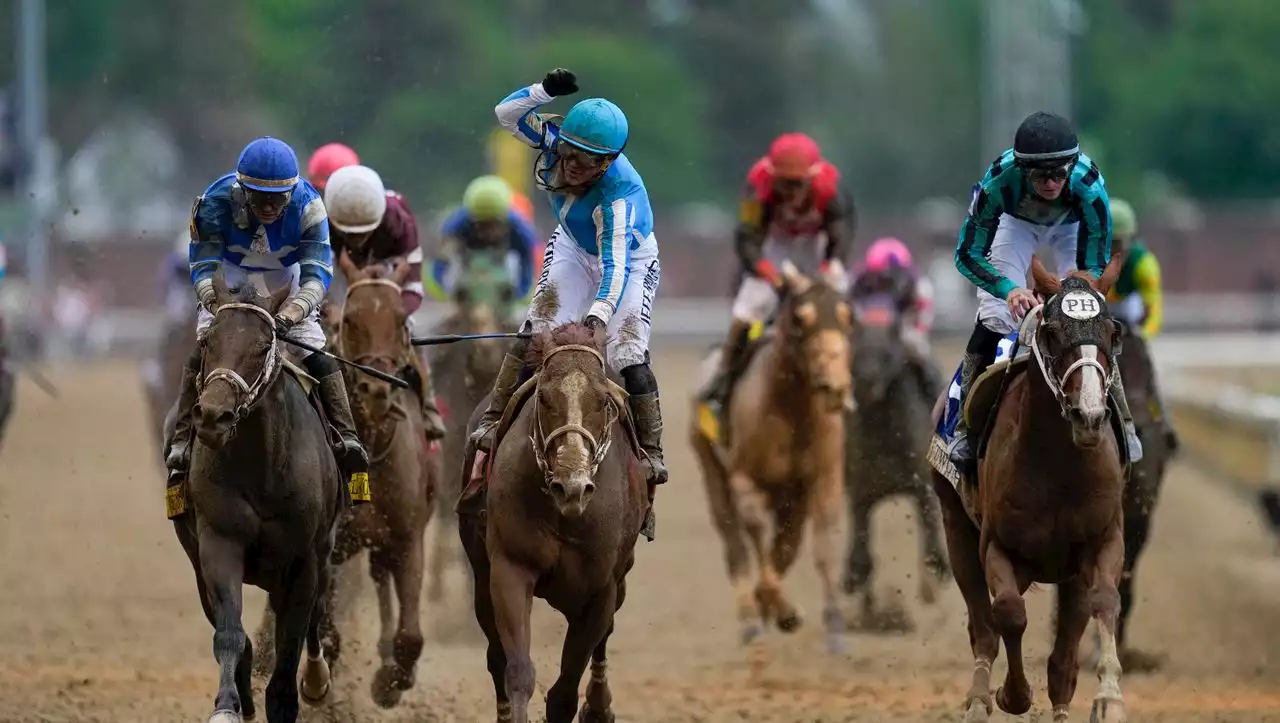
268	170
592	135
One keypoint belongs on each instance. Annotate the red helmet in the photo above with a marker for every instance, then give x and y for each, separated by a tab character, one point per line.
794	156
327	159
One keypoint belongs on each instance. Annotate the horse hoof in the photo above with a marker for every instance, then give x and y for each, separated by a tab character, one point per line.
790	622
587	715
385	688
977	712
752	631
1020	708
316	680
1107	711
225	716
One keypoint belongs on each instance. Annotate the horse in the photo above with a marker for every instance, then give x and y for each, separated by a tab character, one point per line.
785	462
885	449
371	330
558	519
263	499
1047	506
164	371
484	292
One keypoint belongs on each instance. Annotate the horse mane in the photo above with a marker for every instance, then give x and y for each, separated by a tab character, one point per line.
573	332
247	294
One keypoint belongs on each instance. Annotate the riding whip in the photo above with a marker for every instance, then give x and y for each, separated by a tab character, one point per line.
391	378
451	338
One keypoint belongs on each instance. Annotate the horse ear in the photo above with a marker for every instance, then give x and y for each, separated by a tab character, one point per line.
798	282
220	291
1110	274
348	267
1046	284
277	298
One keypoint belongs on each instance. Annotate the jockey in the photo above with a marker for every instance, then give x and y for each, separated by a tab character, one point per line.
1137	299
601	264
372	225
327	159
265	226
1043	190
793	209
487	221
887	269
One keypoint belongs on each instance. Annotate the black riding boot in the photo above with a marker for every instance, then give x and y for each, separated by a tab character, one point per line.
333	394
978	355
642	388
178	450
504	386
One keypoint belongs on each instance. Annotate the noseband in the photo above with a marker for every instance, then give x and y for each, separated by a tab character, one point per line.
1045	362
250	393
596	449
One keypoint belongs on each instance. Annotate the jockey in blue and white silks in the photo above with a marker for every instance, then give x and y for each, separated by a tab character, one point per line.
601	264
263	225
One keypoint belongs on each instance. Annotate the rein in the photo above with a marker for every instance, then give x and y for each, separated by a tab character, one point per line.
541	441
252	393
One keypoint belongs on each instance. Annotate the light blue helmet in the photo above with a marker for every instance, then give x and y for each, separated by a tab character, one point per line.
595	125
268	165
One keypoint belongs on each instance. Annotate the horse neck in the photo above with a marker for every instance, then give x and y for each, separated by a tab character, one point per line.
787	385
1046	433
267	428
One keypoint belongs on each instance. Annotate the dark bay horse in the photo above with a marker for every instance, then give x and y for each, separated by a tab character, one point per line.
372	331
484	291
885	454
1047	506
564	504
264	494
784	464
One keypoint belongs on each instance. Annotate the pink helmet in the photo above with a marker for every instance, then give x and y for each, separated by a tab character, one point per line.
886	252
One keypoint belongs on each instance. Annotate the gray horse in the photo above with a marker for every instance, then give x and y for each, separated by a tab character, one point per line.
887	438
262	503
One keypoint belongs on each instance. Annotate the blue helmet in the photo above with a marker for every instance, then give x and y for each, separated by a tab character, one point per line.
268	165
595	125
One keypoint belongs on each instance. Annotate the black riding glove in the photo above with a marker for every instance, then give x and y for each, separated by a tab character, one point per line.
595	323
560	82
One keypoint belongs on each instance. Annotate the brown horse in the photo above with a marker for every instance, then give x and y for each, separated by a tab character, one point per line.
402	475
484	291
1047	504
174	346
563	507
785	462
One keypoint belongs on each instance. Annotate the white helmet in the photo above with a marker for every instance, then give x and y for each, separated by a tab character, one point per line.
355	199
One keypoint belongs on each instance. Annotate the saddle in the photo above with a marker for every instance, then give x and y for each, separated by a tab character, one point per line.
479	465
714	429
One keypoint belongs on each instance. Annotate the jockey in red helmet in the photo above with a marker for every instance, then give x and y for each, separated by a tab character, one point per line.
327	159
792	209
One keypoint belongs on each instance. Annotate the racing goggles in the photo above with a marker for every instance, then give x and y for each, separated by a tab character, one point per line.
1057	173
573	155
267	203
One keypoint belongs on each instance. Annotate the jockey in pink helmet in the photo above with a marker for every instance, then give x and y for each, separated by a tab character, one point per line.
887	269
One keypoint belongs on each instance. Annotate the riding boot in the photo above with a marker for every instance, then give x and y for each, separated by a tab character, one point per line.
1130	431
504	386
647	413
337	406
963	450
178	451
716	393
432	420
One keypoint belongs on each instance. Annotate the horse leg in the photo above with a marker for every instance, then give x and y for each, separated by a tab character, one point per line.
934	560
750	503
244	669
293	603
380	572
1104	605
442	555
598	705
316	678
1009	611
962	549
1140	496
495	657
586	630
788	532
720	502
1064	661
858	564
511	590
406	646
222	570
824	509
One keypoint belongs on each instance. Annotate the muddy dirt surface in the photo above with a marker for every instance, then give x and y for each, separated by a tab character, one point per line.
99	619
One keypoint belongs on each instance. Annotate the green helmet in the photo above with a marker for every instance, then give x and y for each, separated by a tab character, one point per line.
1124	222
487	198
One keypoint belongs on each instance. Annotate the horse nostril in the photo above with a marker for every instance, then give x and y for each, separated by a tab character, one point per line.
588	488
557	489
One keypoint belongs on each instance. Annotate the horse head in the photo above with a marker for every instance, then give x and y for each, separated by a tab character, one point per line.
574	411
373	330
877	337
240	349
1075	344
484	294
814	321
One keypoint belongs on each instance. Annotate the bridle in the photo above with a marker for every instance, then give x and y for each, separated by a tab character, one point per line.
1045	362
596	449
381	428
251	393
368	358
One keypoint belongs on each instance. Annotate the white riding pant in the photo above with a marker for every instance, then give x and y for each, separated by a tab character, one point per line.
757	299
1011	250
568	285
307	331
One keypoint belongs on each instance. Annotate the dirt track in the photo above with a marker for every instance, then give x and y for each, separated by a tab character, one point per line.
99	619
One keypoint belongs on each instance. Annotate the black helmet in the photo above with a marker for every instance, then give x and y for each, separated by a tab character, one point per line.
1045	140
